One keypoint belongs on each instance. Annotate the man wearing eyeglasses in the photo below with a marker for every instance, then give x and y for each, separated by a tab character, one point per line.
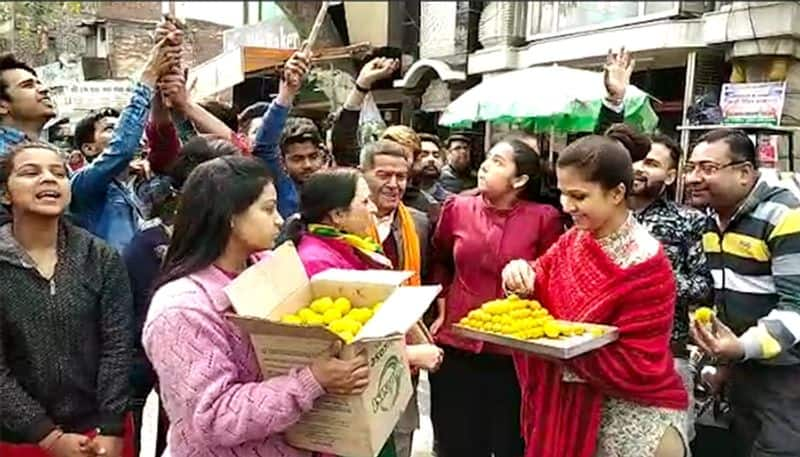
680	231
753	248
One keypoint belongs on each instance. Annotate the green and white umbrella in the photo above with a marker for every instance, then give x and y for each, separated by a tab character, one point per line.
544	99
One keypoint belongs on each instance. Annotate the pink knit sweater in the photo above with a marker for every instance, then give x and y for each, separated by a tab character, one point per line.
217	402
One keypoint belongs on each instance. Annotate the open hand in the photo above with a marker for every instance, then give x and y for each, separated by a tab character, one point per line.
617	73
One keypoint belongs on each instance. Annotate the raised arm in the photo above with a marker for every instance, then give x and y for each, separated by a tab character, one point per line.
161	136
266	145
92	180
344	135
617	77
174	88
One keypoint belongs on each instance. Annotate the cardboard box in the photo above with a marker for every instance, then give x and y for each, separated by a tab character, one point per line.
351	426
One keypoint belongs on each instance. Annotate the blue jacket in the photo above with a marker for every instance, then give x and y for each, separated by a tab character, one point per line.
9	136
101	203
266	148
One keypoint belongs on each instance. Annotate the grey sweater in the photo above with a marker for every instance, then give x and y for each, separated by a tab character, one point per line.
65	343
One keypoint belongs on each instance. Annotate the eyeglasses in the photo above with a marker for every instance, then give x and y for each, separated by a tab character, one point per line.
709	168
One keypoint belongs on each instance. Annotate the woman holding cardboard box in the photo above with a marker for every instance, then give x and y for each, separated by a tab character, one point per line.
474	396
217	401
332	232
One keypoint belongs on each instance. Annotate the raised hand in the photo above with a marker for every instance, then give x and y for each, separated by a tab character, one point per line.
294	73
173	88
617	73
169	27
164	58
375	70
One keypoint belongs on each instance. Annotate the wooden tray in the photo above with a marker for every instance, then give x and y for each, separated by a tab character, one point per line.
562	348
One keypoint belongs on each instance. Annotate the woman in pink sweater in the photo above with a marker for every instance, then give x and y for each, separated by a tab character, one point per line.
216	399
331	232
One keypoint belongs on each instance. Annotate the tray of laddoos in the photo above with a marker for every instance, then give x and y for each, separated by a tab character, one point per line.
525	325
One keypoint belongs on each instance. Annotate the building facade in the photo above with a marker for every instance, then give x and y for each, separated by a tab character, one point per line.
683	49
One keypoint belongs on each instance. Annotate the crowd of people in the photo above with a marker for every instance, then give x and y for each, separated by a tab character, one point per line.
113	268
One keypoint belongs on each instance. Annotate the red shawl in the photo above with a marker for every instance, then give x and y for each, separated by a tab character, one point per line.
577	281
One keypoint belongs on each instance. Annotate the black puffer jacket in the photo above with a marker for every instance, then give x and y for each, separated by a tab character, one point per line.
65	343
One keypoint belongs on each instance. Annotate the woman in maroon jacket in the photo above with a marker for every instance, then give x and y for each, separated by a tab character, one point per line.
475	395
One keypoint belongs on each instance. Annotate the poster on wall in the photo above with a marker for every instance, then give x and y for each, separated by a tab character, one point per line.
767	150
753	103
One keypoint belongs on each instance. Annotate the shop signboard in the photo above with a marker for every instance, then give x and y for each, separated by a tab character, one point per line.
753	103
88	95
58	74
217	74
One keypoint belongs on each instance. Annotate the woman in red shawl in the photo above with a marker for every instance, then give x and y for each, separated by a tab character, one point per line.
624	399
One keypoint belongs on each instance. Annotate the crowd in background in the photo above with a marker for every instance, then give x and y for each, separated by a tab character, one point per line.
114	256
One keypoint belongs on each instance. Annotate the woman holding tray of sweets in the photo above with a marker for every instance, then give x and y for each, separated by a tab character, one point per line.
332	232
474	396
624	399
213	391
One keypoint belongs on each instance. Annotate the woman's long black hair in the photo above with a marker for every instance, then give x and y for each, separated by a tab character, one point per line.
213	193
323	192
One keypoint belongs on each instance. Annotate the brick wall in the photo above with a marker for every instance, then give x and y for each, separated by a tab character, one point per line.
130	11
131	43
45	30
203	40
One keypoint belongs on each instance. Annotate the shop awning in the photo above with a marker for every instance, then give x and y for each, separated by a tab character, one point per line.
544	99
233	66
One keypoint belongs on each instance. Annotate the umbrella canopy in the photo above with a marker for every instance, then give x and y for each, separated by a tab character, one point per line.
544	98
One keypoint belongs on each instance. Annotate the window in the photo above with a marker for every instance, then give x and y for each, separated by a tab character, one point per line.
567	16
102	41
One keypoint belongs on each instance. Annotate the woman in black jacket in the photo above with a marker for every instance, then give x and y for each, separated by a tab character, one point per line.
66	320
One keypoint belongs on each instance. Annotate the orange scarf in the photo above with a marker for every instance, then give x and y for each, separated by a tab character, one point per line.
410	248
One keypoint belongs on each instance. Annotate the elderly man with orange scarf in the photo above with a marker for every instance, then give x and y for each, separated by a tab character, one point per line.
403	234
